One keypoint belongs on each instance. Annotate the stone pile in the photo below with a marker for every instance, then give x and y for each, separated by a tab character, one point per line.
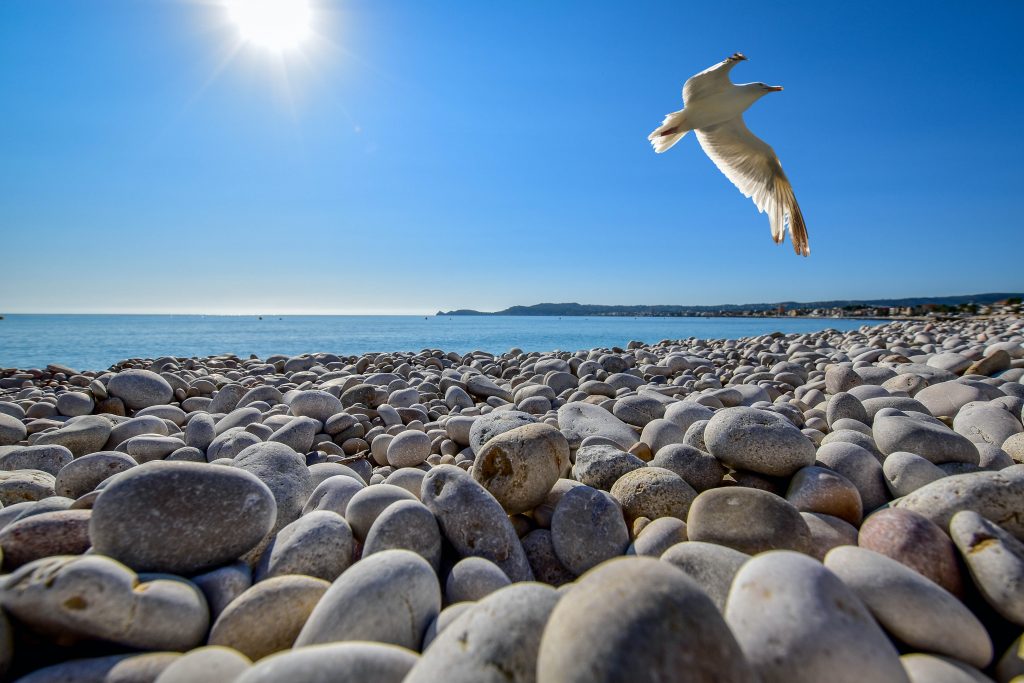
817	507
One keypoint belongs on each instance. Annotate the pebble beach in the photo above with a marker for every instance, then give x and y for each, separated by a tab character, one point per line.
838	506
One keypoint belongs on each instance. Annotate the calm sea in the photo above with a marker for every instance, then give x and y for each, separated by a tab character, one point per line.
95	342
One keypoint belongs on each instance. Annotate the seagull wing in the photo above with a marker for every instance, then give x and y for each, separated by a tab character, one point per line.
710	80
750	163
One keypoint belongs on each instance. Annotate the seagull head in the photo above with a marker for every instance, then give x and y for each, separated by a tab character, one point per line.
769	88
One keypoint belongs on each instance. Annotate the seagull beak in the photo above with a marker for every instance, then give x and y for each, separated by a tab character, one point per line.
775	88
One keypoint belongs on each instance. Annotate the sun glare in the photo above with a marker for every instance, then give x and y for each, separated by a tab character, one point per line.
276	25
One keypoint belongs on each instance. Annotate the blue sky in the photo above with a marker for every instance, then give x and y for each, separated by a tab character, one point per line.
418	155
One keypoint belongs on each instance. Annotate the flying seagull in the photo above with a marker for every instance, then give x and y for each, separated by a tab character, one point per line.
714	108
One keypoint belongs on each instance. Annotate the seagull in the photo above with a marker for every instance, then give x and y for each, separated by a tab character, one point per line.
714	108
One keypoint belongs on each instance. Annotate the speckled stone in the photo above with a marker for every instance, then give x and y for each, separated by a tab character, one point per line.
915	541
747	520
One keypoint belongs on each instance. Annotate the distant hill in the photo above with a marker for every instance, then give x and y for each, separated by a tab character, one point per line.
575	309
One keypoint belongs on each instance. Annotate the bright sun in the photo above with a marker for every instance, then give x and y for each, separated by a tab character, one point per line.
272	24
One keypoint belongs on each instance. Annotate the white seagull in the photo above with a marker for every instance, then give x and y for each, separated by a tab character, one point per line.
714	108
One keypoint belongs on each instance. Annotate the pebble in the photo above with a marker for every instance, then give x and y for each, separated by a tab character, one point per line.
653	492
486	427
368	503
587	528
757	440
994	558
62	532
81	435
406	525
601	465
49	459
212	664
828	532
998	496
472	579
924	668
657	537
712	566
408	449
334	662
747	520
140	389
934	442
519	467
284	472
578	420
641	620
817	489
907	472
25	485
861	468
12	430
702	471
318	544
916	542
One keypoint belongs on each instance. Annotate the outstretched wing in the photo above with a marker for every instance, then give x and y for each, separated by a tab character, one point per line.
750	163
711	80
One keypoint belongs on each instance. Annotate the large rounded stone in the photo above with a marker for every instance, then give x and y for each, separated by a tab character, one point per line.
757	440
997	496
49	459
935	442
406	525
638	410
408	449
493	641
180	517
318	405
486	427
653	492
587	528
821	490
712	566
213	664
986	423
473	521
601	465
368	503
657	536
95	597
748	520
268	617
388	597
907	472
84	474
334	663
652	622
860	467
797	622
579	420
61	532
700	470
922	668
80	436
910	607
284	472
318	544
472	579
915	541
994	558
521	465
140	389
25	485
12	430
334	494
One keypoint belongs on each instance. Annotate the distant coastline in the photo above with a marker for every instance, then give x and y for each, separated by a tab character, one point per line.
915	307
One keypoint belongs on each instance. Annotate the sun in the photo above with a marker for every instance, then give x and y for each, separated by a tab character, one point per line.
276	25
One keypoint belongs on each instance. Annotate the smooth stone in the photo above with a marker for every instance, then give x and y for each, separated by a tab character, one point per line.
856	437
653	492
712	566
638	410
480	385
180	517
652	624
657	537
915	541
519	467
406	525
408	478
284	472
828	532
146	447
840	379
493	641
540	551
222	585
443	621
355	662
319	405
997	496
95	597
12	430
211	664
140	388
757	440
368	503
984	423
298	434
389	597
62	532
601	465
748	520
797	622
913	609
200	431
408	449
946	398
82	436
318	544
844	406
123	668
702	471
860	467
822	490
907	472
587	528
472	579
579	420
50	459
486	427
661	433
473	521
994	558
936	443
925	668
25	485
685	413
267	617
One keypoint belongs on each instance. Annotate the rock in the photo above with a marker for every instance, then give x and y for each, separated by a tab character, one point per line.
656	624
910	607
817	489
907	472
702	471
49	459
587	529
796	621
12	430
25	485
994	558
297	434
658	536
922	668
828	532
180	517
845	406
935	442
661	433
200	431
62	532
406	525
95	597
222	585
479	385
997	361
984	423
213	664
638	410
519	467
368	503
758	441
486	427
84	474
140	389
915	541
319	405
284	472
685	413
124	668
493	641
712	566
600	466
408	449
540	551
473	521
334	494
146	447
946	398
578	420
860	467
998	496
267	618
840	379
653	492
81	436
747	520
388	597
472	579
318	544
334	662
74	403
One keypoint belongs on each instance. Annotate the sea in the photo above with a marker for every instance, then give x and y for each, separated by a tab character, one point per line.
95	342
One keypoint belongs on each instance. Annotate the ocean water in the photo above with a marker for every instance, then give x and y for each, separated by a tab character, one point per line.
95	342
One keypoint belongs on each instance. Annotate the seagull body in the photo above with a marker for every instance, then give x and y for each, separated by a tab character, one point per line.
713	108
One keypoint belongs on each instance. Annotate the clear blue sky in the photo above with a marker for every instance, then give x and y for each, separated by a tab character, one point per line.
419	155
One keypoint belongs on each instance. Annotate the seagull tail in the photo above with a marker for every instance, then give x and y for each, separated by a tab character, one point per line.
792	217
671	131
